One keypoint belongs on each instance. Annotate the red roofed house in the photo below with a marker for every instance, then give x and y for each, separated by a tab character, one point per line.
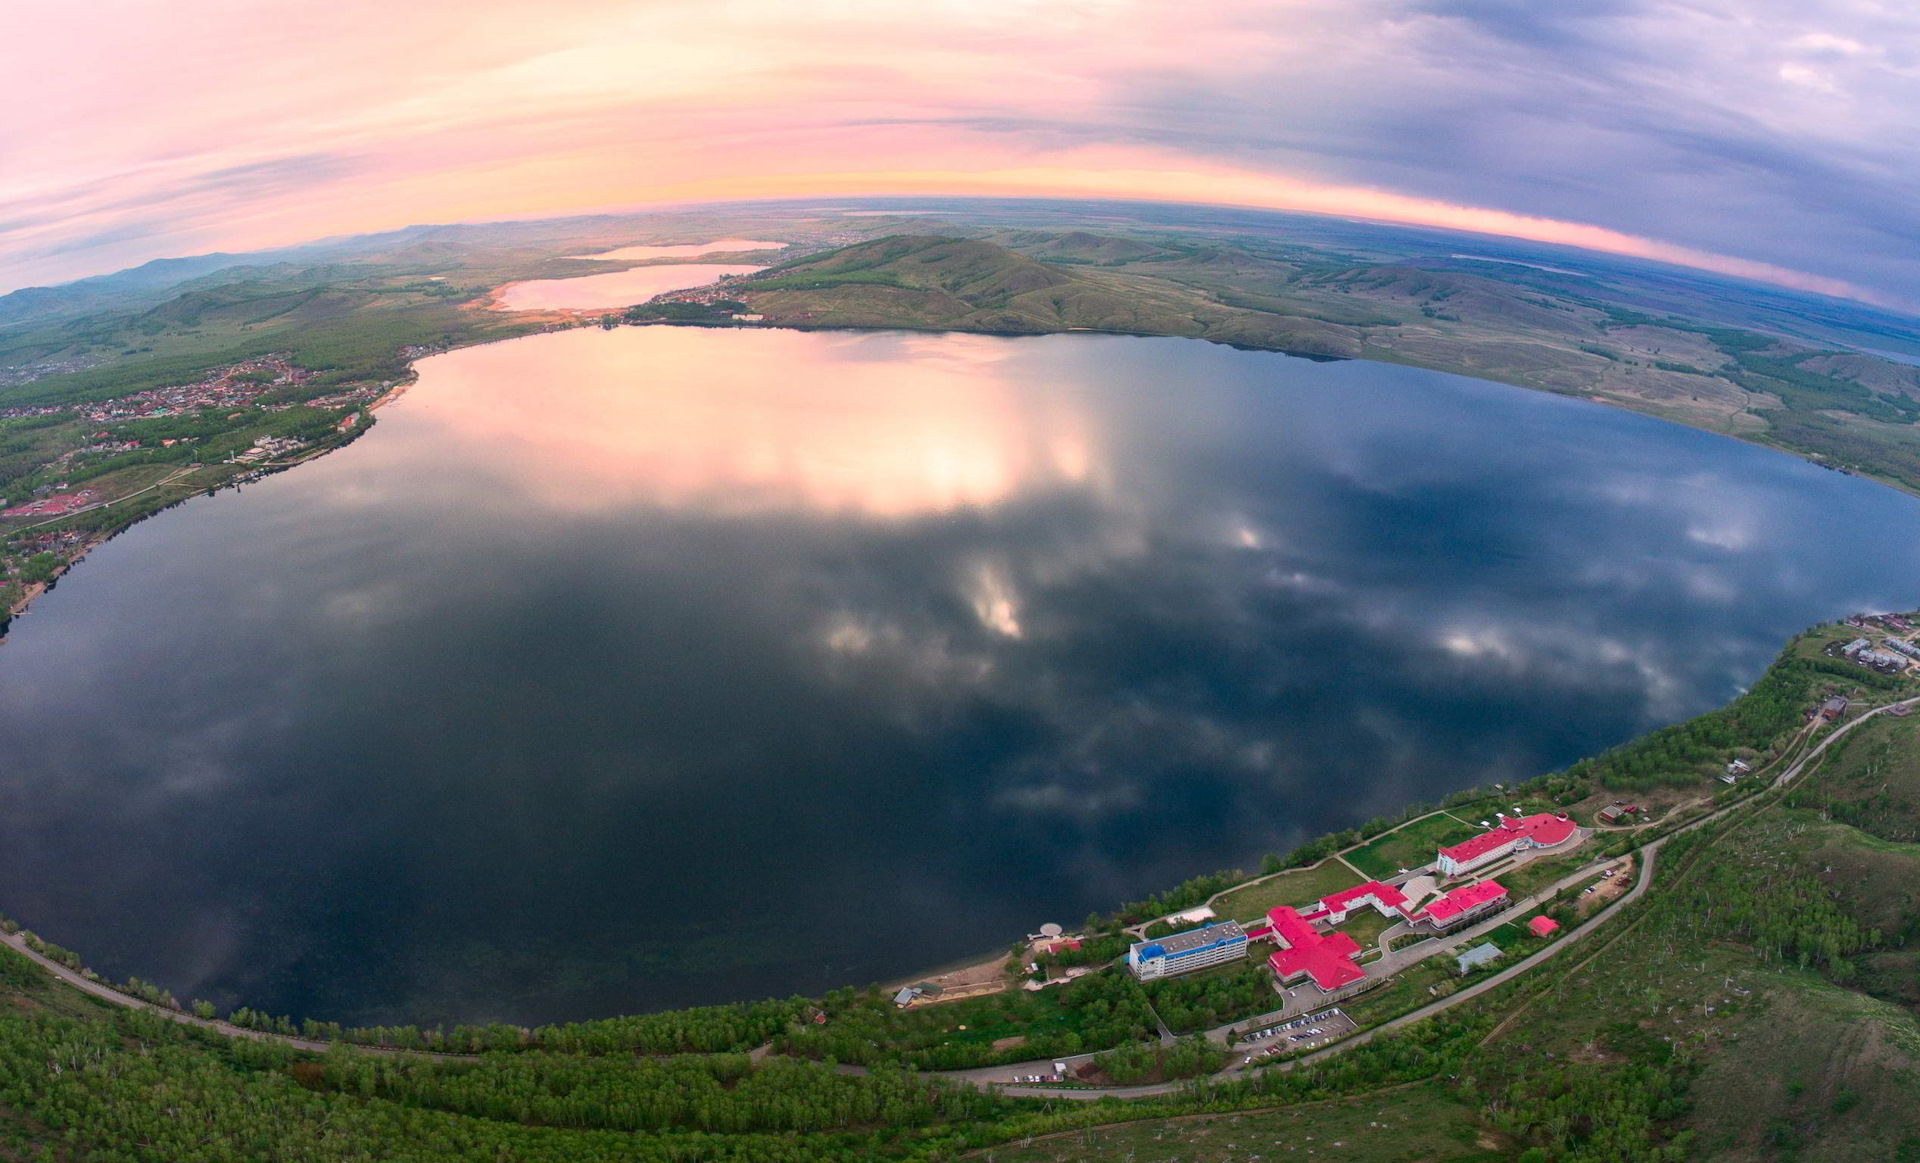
1385	899
1542	925
1327	958
1464	903
1513	835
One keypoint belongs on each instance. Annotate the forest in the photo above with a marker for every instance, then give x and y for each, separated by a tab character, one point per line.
1577	1062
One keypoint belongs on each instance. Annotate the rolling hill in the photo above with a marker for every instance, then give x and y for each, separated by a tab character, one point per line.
940	283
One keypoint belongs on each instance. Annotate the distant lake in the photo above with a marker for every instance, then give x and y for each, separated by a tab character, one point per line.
618	670
616	290
718	246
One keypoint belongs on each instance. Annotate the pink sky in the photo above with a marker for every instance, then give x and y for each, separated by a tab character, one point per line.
139	129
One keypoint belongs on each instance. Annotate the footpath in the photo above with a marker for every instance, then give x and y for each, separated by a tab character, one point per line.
998	1076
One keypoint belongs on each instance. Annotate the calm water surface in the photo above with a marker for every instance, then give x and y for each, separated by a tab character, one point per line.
618	289
630	669
717	246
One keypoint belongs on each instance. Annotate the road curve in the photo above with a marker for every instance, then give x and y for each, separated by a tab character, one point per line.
1648	854
113	996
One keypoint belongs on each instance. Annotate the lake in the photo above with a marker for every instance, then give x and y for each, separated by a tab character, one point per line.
615	290
717	246
618	670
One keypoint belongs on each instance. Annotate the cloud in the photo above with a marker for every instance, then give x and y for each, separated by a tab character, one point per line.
1758	137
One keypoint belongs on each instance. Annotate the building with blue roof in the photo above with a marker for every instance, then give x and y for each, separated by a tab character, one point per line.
1185	952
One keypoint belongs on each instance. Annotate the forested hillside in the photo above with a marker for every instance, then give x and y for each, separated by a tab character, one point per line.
1757	1003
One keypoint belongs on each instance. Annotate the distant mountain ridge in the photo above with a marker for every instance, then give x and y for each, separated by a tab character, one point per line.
946	283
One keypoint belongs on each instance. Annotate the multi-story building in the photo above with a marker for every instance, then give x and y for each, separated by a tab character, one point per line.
1185	952
1384	899
1464	904
1515	834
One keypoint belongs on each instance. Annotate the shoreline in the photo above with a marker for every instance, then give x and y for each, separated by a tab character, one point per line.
88	544
410	379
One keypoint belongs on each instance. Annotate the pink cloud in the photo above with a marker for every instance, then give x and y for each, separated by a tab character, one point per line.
143	129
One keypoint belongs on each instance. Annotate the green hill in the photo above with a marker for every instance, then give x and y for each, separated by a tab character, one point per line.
934	282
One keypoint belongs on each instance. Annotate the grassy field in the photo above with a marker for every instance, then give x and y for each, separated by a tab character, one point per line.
1416	1124
1874	783
1407	990
1366	925
1299	887
1410	847
1535	875
982	1021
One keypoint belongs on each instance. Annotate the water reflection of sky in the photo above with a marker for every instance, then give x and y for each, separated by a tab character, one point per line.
616	289
687	250
634	668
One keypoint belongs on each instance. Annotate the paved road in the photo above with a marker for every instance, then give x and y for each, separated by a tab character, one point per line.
110	504
1648	855
108	994
1647	858
987	1076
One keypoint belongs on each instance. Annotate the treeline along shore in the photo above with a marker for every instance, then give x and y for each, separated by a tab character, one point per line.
854	1075
1732	963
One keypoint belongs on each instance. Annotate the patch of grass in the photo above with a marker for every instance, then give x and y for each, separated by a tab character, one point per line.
1365	926
1416	1124
1874	782
1537	874
1298	887
1409	847
1407	991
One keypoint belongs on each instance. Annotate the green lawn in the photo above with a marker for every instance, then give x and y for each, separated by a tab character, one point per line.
1416	1124
1407	991
1299	887
1365	926
1535	875
1410	846
1510	937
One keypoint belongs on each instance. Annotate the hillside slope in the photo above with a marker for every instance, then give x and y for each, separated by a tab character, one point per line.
939	283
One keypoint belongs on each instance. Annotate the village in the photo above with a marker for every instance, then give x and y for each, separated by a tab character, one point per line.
1402	920
1316	958
133	453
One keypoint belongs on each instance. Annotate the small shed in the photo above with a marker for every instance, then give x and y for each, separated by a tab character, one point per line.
1477	956
1543	926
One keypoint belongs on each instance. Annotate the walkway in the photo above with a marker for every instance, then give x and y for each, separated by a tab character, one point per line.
1648	856
996	1075
110	504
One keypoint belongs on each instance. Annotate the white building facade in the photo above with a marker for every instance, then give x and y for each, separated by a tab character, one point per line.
1188	951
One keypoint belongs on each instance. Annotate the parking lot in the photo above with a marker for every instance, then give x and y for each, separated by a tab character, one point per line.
1303	1033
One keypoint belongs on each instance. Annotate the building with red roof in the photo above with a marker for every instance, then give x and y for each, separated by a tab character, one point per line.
1328	962
1515	834
1543	926
1326	958
1464	903
1385	899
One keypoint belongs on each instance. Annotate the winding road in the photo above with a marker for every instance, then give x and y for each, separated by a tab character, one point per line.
996	1076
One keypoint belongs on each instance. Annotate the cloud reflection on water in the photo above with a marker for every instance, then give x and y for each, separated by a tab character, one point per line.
888	644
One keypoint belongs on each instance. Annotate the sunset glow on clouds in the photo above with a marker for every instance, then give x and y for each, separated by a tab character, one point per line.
1767	139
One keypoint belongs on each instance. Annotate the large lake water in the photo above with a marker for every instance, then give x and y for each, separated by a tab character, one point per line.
617	288
628	669
717	246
